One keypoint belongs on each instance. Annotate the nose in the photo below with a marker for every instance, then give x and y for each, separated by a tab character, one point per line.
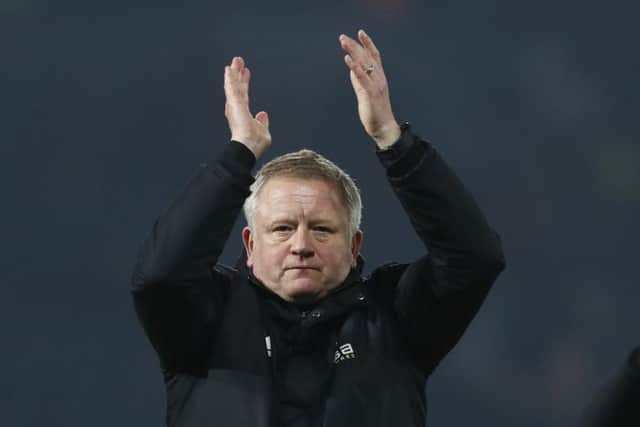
301	245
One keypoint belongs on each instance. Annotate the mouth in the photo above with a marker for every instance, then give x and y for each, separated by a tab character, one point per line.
302	268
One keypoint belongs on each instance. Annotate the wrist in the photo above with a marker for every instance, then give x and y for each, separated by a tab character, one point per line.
388	136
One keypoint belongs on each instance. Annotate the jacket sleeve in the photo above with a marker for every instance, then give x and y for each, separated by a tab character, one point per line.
436	297
616	403
177	294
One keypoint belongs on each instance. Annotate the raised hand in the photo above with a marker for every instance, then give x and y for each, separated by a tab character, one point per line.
251	131
371	88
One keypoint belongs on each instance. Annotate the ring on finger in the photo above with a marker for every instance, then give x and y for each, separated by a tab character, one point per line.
370	69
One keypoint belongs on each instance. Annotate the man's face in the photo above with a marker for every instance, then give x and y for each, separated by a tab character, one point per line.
300	247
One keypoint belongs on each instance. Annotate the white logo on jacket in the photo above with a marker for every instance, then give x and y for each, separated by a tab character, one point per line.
344	352
267	342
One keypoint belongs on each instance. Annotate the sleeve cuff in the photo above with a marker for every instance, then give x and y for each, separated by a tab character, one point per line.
237	153
396	150
236	158
404	155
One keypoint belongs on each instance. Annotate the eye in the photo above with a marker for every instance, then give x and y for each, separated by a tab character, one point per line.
322	229
282	228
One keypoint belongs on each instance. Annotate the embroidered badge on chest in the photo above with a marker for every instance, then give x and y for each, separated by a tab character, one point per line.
344	352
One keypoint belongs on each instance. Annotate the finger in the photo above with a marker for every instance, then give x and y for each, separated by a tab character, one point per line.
230	75
237	69
359	54
369	46
359	72
353	48
263	118
245	76
357	86
237	63
236	81
230	80
227	77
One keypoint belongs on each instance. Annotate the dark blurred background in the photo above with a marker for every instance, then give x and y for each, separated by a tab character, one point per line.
107	109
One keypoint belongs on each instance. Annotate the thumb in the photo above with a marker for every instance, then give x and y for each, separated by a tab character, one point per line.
263	118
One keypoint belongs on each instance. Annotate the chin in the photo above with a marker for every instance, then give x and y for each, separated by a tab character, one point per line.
304	291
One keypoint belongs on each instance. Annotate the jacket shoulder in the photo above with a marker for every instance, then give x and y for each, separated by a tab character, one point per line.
382	281
223	271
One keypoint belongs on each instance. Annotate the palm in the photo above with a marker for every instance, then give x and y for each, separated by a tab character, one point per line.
251	131
371	88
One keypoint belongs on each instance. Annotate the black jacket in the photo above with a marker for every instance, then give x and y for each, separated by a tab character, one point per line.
358	357
617	404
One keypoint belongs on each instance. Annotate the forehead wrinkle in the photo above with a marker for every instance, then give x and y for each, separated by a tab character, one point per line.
298	195
290	208
292	198
301	186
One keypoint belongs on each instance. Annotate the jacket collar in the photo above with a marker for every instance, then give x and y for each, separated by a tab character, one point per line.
350	293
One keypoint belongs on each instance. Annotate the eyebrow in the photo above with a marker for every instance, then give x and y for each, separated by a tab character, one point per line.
289	220
279	220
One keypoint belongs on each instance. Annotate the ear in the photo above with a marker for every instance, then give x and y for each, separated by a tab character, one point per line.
247	239
356	243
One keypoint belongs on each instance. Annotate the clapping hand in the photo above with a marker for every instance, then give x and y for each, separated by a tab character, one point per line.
371	89
251	131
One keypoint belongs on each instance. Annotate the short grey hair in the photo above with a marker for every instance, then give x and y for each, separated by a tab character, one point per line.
307	164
